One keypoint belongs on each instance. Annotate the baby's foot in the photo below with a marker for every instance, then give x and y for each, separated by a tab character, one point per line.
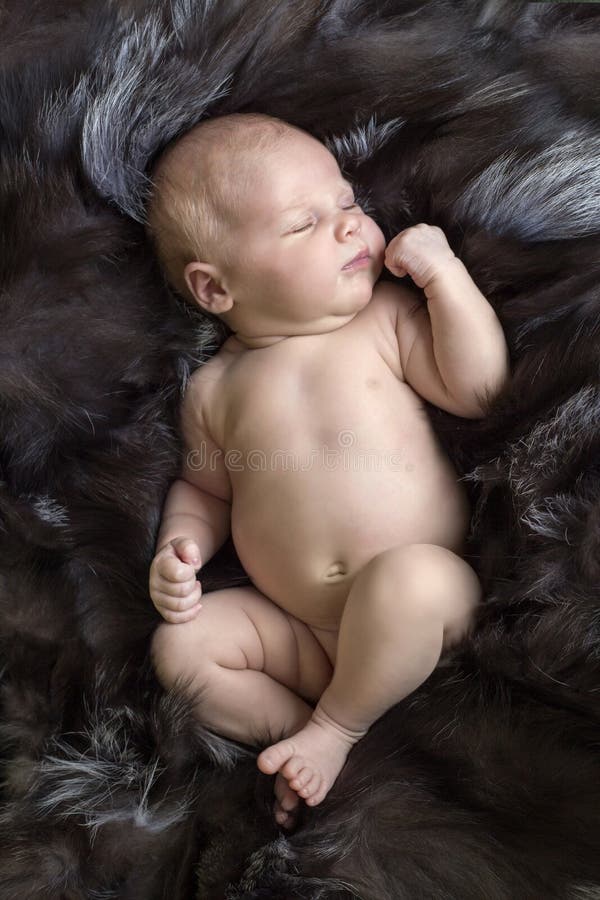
311	760
286	803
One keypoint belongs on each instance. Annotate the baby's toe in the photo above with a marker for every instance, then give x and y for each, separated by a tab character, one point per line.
302	778
292	767
290	801
286	804
273	758
286	820
319	794
287	799
313	785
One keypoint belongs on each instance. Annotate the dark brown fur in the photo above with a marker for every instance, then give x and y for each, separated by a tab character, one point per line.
479	117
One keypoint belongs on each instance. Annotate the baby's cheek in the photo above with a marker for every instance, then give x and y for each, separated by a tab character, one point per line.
376	243
376	239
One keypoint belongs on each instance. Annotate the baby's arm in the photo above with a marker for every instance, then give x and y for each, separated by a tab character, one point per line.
453	353
195	523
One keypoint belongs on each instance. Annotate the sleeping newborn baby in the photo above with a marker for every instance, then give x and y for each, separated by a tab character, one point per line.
307	438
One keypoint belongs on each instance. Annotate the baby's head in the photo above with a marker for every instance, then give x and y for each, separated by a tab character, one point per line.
198	186
253	220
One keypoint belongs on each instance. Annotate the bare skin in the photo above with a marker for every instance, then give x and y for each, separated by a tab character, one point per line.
306	436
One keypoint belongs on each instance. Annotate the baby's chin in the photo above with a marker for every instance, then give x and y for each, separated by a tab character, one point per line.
357	299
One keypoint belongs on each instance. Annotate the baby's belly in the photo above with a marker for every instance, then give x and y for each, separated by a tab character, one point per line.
302	536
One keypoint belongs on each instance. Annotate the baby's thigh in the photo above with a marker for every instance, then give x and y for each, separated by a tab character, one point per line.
240	628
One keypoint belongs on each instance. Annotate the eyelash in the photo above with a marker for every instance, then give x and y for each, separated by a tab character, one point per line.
309	224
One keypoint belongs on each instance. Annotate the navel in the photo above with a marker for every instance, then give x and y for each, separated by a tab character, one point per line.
336	571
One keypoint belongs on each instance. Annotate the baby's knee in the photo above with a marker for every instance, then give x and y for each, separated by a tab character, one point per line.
459	609
410	569
443	587
427	581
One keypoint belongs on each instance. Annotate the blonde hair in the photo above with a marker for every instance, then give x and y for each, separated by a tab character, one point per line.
198	183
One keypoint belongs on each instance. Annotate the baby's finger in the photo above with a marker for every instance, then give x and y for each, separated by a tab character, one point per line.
179	618
398	271
164	596
172	569
187	550
393	262
176	589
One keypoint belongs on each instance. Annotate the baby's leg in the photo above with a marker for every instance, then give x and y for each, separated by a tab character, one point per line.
249	664
405	607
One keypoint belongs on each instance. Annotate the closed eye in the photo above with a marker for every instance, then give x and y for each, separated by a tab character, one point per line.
307	225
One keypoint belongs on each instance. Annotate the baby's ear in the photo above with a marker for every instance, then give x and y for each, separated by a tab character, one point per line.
204	282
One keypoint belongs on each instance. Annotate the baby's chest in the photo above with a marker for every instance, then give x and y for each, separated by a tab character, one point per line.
333	401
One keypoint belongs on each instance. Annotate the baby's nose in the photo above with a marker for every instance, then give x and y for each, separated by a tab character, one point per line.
349	224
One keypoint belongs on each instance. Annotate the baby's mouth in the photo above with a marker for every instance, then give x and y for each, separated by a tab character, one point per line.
361	258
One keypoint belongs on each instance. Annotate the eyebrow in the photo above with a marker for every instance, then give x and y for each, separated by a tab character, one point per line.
301	202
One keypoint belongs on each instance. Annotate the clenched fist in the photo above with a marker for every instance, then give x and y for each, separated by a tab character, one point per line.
173	586
421	252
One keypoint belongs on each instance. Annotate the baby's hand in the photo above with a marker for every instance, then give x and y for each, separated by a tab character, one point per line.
173	586
421	252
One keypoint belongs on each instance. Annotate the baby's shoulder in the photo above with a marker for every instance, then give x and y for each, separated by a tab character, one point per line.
380	317
390	299
384	317
204	378
204	390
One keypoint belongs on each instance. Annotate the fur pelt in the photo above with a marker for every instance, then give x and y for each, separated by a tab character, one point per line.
479	116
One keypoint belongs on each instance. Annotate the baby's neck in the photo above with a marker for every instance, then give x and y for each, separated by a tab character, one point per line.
321	326
257	342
